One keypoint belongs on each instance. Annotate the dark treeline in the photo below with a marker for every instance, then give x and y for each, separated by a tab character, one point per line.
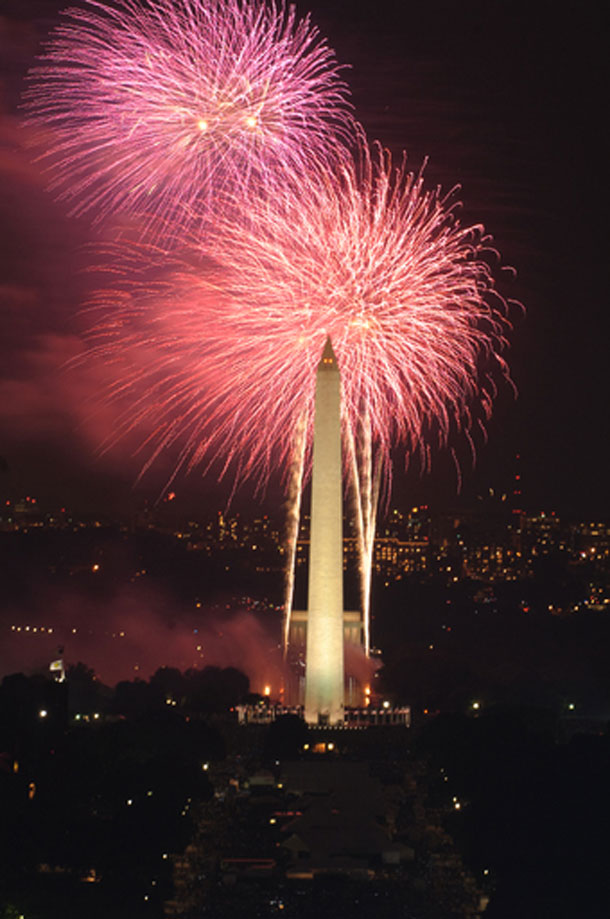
97	783
194	692
90	806
533	814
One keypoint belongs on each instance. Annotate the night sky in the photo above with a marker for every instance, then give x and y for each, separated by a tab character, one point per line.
504	99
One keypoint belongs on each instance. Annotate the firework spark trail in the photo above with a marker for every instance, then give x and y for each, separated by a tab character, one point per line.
358	473
153	109
365	477
217	350
293	519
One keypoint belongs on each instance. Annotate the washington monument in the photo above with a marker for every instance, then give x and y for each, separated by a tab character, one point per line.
324	686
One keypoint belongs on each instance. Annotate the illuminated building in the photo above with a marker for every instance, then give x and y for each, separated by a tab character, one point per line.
590	543
394	557
542	533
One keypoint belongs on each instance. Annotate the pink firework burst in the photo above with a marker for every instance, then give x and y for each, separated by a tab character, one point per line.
155	108
220	356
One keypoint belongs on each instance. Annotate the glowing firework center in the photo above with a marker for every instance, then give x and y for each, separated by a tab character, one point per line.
324	686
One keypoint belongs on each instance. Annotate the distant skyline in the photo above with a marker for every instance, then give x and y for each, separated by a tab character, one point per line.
503	99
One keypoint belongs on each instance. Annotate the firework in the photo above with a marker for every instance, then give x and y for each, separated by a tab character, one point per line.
218	356
155	108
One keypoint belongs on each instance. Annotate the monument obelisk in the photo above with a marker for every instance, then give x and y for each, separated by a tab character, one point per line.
324	687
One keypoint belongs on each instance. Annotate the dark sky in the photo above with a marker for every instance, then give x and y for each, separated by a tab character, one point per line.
507	99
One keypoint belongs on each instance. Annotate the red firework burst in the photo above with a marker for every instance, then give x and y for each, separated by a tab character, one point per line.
153	109
220	356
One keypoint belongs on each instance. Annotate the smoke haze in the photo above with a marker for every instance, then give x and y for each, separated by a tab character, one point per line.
134	633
